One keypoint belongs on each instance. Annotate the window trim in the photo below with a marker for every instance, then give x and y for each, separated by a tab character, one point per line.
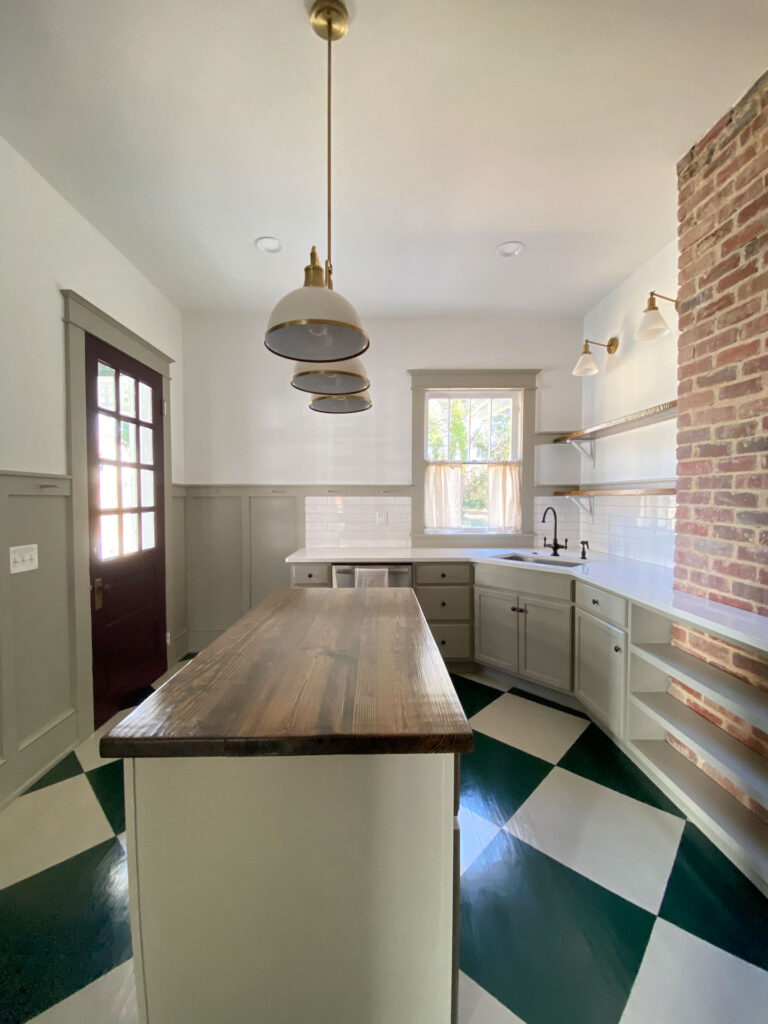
423	381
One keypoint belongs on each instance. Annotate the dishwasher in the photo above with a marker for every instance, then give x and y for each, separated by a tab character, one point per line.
399	575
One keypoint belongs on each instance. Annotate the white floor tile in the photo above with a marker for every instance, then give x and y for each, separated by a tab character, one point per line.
476	1006
684	980
88	751
625	845
476	833
47	826
110	999
534	728
123	840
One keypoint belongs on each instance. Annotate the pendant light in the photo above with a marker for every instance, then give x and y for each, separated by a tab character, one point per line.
341	403
585	364
314	324
342	378
653	325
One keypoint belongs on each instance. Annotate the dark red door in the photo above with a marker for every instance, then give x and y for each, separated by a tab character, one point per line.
124	406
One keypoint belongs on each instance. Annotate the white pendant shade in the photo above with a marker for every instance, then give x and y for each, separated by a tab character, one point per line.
653	325
585	366
341	378
316	325
341	403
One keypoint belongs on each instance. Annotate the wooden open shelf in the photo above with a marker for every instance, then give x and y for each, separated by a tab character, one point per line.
615	491
656	414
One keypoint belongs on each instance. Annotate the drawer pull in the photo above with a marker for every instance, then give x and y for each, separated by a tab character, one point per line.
617	649
442	575
442	643
514	609
595	601
309	575
442	604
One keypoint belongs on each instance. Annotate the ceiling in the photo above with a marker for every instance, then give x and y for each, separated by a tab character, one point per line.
182	129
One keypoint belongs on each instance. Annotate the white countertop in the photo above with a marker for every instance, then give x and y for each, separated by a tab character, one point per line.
647	584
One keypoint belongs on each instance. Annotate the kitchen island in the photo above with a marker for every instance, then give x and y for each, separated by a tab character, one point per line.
290	803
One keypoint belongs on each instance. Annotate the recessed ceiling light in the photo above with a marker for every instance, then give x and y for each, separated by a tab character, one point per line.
507	249
270	245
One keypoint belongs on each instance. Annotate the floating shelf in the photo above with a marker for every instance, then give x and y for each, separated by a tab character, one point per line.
744	767
621	491
656	414
732	823
739	698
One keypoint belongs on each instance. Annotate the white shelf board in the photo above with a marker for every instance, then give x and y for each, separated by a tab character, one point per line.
748	770
726	690
735	826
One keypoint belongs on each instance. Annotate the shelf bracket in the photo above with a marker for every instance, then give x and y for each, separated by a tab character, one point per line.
586	448
585	504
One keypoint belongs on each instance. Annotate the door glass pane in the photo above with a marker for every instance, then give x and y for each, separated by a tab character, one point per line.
145	402
147	487
107	486
145	440
127	395
147	530
130	532
130	492
110	537
107	437
127	441
105	387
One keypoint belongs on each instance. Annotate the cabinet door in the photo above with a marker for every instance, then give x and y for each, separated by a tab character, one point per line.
496	628
601	669
545	641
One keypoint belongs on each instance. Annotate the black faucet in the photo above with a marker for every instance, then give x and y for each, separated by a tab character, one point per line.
555	546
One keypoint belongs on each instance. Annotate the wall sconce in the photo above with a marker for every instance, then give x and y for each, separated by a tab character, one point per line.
586	365
653	324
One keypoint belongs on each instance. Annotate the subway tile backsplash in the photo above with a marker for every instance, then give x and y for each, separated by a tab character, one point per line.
357	522
640	527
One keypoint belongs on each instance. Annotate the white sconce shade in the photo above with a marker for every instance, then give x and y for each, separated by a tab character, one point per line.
316	325
340	378
585	366
341	403
653	325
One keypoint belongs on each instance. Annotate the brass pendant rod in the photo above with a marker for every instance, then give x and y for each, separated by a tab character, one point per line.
329	260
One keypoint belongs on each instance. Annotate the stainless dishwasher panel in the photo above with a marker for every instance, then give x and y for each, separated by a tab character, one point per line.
399	575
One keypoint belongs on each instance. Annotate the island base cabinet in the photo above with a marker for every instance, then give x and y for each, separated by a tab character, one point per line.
601	669
275	890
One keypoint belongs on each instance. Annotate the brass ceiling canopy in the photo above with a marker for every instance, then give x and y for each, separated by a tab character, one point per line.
329	17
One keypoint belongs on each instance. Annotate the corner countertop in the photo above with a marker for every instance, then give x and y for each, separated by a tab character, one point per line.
642	582
307	671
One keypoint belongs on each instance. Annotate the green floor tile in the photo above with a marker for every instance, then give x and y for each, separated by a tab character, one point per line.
107	784
547	703
549	944
189	655
61	929
496	778
594	756
474	696
67	768
711	898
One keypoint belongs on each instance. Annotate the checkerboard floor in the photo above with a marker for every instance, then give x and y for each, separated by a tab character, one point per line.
586	895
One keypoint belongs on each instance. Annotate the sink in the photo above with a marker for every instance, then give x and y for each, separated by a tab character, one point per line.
553	563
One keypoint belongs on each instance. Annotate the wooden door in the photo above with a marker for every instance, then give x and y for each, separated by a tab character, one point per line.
496	628
545	641
124	407
601	669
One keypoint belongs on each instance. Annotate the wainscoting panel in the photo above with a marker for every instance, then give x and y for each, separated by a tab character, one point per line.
215	569
177	582
274	535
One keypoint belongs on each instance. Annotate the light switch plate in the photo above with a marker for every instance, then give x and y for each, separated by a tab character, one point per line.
23	558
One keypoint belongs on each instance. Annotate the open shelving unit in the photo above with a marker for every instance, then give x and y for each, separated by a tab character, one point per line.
585	439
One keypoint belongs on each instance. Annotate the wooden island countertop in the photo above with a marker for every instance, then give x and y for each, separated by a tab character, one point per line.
306	671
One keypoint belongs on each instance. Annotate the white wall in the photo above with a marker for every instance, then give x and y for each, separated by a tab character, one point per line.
45	245
245	424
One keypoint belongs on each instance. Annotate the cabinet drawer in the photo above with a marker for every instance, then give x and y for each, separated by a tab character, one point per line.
599	602
444	604
310	575
453	641
448	572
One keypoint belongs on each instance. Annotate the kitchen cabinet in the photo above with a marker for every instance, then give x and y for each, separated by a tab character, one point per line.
601	669
444	591
524	634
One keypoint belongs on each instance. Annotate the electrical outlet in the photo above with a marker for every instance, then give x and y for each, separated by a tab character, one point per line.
23	558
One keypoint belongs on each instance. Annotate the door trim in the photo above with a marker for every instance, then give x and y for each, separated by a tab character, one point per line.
81	317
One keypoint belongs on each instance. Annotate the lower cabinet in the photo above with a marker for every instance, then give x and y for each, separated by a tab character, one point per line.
601	669
529	636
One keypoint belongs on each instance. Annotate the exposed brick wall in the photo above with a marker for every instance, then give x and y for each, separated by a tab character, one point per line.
721	780
721	542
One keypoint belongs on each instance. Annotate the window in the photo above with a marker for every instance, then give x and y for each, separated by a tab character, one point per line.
472	455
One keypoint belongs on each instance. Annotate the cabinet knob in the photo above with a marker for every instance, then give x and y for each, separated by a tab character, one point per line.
595	601
442	604
617	649
309	575
514	609
442	575
442	643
